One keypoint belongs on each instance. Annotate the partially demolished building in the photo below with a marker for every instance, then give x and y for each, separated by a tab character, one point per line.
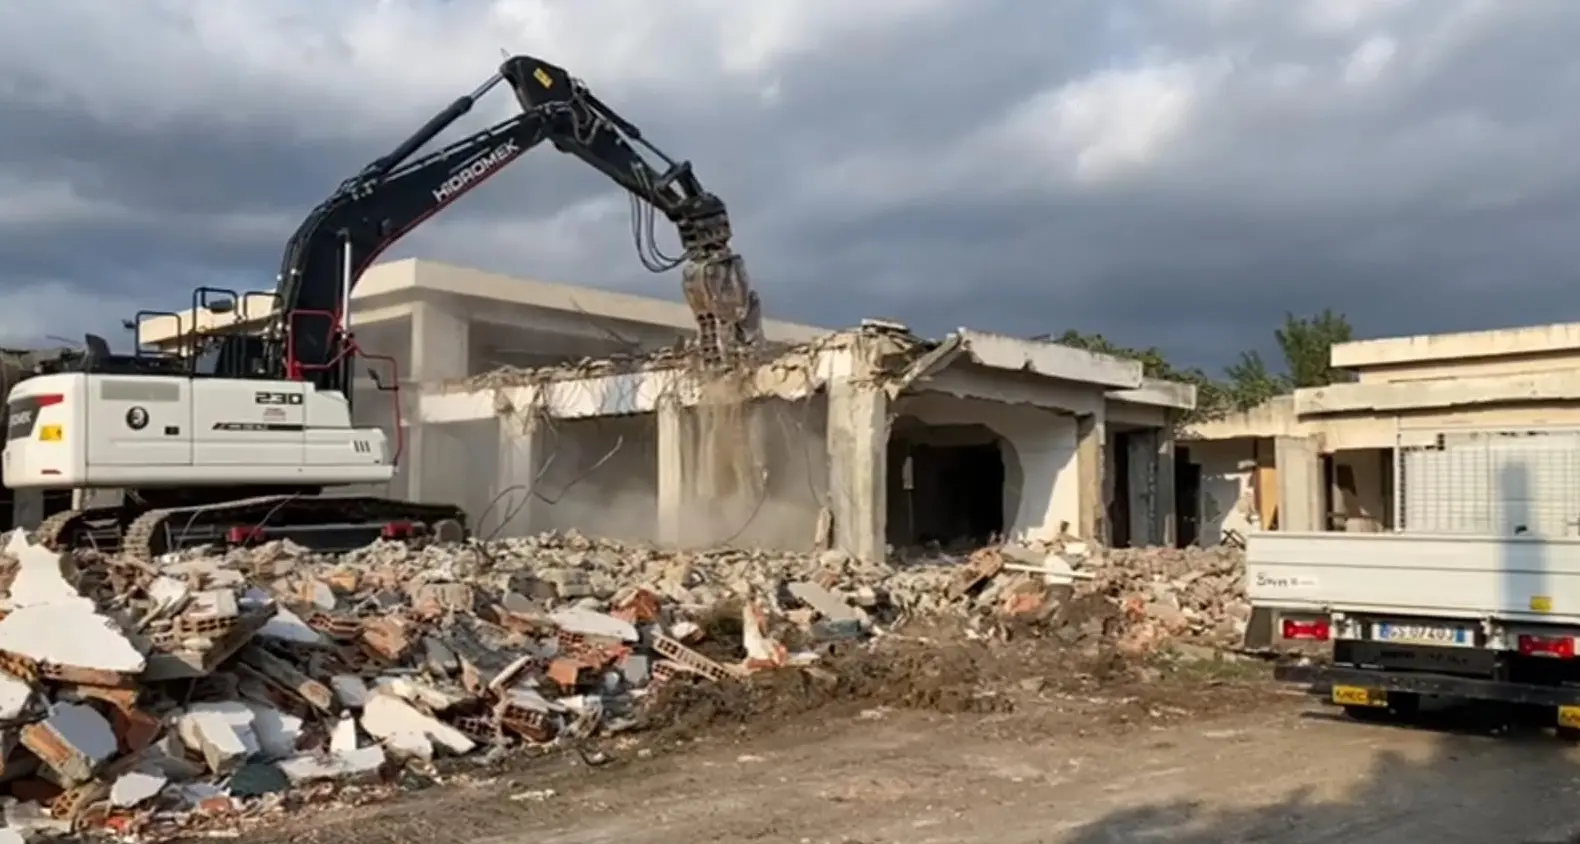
863	439
542	406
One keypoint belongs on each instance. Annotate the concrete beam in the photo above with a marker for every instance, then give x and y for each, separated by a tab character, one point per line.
1155	392
1301	504
1091	445
858	440
970	381
1465	345
1051	360
623	393
1426	395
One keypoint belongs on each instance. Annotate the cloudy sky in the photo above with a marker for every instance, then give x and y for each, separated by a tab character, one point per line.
1170	172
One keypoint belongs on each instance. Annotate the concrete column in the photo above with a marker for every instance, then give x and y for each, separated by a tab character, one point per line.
1167	506
1091	442
858	445
441	345
515	487
1300	498
671	472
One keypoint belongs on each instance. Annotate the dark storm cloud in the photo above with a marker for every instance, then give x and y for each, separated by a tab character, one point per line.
1168	172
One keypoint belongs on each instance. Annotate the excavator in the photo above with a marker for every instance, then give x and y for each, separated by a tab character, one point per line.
238	444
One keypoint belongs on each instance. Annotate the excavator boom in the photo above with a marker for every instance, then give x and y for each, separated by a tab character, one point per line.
372	210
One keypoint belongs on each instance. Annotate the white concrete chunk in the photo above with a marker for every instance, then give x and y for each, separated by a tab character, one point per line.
409	746
827	604
287	626
38	632
593	623
167	593
277	732
343	738
221	732
15	697
136	787
40	575
312	768
387	716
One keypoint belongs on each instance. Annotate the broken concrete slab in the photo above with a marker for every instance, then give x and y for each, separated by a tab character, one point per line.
221	732
42	576
136	787
387	717
309	768
829	605
38	632
587	622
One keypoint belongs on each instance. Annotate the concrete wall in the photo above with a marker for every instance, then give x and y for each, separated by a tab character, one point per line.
1228	498
1042	487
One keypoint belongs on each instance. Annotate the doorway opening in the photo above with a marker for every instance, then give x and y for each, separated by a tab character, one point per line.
946	485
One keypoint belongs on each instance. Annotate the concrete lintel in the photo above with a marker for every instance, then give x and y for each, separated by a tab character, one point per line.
1425	395
1051	360
975	382
1156	392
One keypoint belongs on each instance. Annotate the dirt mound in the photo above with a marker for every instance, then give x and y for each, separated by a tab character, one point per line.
945	677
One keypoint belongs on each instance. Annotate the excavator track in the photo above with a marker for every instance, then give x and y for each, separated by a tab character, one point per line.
344	521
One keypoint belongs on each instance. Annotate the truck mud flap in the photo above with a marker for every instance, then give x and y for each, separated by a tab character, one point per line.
1324	679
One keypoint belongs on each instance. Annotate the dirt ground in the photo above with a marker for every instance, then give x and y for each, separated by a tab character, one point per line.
1011	746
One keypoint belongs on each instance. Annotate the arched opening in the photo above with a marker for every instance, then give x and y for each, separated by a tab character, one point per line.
946	484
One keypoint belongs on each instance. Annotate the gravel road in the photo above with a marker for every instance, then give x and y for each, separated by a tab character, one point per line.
1279	769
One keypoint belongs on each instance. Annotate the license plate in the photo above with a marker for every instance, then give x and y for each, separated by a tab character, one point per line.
1358	696
1569	716
1426	634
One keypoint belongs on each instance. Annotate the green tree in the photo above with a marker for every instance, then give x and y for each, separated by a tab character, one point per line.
1307	344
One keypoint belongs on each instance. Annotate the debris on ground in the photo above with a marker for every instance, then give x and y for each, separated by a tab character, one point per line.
149	700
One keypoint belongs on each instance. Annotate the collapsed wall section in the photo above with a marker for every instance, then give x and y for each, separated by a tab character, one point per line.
598	476
755	472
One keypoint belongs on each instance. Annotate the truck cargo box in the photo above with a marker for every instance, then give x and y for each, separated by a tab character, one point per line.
1509	578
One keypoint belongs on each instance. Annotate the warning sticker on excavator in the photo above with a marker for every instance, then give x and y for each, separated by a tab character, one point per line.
1541	603
51	433
543	78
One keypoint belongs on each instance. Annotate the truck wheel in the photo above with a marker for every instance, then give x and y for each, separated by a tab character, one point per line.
1404	704
1366	714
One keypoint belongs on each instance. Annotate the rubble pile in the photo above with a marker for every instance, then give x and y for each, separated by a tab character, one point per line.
147	698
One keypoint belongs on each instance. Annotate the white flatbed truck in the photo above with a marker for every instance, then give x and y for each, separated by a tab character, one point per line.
1407	616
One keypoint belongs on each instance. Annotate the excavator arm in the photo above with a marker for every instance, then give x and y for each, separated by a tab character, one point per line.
372	210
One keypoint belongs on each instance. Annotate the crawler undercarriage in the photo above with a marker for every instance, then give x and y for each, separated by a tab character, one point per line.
144	527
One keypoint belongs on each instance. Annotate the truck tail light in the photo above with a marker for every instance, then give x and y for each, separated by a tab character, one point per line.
1310	630
1554	647
49	399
